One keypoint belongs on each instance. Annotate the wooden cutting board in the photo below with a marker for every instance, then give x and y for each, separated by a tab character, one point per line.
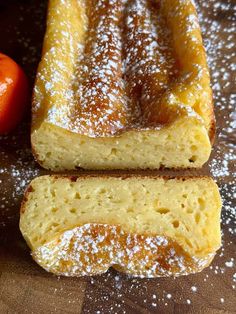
24	286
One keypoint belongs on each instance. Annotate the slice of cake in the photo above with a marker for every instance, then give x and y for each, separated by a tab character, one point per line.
122	84
143	226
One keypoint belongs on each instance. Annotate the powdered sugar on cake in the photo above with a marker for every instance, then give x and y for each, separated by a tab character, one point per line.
93	248
123	70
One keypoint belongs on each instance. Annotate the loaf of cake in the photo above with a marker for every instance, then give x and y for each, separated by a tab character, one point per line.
143	226
122	84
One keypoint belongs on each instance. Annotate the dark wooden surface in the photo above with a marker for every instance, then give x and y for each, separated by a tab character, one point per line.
24	286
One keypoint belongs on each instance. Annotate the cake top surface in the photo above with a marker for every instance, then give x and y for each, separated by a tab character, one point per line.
109	66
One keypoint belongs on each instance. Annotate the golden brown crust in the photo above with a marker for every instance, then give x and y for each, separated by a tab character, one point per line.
92	249
212	129
28	190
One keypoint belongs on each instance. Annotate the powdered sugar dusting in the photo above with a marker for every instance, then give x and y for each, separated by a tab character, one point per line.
93	248
14	178
125	73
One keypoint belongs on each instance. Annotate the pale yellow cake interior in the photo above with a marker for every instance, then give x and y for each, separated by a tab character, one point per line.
185	210
61	149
